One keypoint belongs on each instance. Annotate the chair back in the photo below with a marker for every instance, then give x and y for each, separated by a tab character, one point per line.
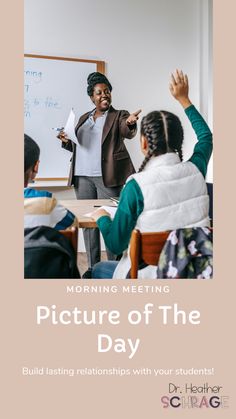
72	235
210	193
145	247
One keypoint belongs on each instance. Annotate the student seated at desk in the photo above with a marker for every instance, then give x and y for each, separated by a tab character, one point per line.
40	207
166	193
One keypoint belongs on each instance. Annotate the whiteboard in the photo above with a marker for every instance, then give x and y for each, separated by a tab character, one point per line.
52	86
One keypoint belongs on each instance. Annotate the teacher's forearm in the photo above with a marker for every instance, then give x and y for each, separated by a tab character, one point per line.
128	131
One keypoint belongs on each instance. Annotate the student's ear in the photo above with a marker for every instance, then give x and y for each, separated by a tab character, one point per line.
36	168
144	144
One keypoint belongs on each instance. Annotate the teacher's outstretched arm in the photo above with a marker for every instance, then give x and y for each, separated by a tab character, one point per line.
128	124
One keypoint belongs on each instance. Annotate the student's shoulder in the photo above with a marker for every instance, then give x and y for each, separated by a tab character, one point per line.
36	193
132	188
132	201
41	202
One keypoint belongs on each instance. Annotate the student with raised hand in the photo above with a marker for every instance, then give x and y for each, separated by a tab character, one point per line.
41	207
100	161
166	193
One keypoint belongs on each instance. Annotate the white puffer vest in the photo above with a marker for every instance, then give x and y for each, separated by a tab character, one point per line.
175	196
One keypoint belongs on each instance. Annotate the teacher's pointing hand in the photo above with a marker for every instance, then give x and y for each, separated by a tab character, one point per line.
132	119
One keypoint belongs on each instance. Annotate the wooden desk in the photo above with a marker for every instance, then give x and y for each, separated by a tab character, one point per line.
79	207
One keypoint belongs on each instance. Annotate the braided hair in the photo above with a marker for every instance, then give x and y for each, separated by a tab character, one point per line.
96	78
164	133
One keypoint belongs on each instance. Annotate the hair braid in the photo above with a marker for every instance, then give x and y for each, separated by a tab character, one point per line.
152	129
164	133
180	152
175	133
147	158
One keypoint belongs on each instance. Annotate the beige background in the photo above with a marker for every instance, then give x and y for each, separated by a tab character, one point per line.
208	345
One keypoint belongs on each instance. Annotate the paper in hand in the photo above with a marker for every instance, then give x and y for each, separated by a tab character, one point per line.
69	128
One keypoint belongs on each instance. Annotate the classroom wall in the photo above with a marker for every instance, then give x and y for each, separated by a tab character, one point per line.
141	41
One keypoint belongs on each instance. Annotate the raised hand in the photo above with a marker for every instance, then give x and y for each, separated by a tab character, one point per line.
179	88
132	119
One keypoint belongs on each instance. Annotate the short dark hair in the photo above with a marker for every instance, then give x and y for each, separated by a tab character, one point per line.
31	152
97	78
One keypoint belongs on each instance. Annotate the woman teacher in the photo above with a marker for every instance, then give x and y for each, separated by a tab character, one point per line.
100	161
